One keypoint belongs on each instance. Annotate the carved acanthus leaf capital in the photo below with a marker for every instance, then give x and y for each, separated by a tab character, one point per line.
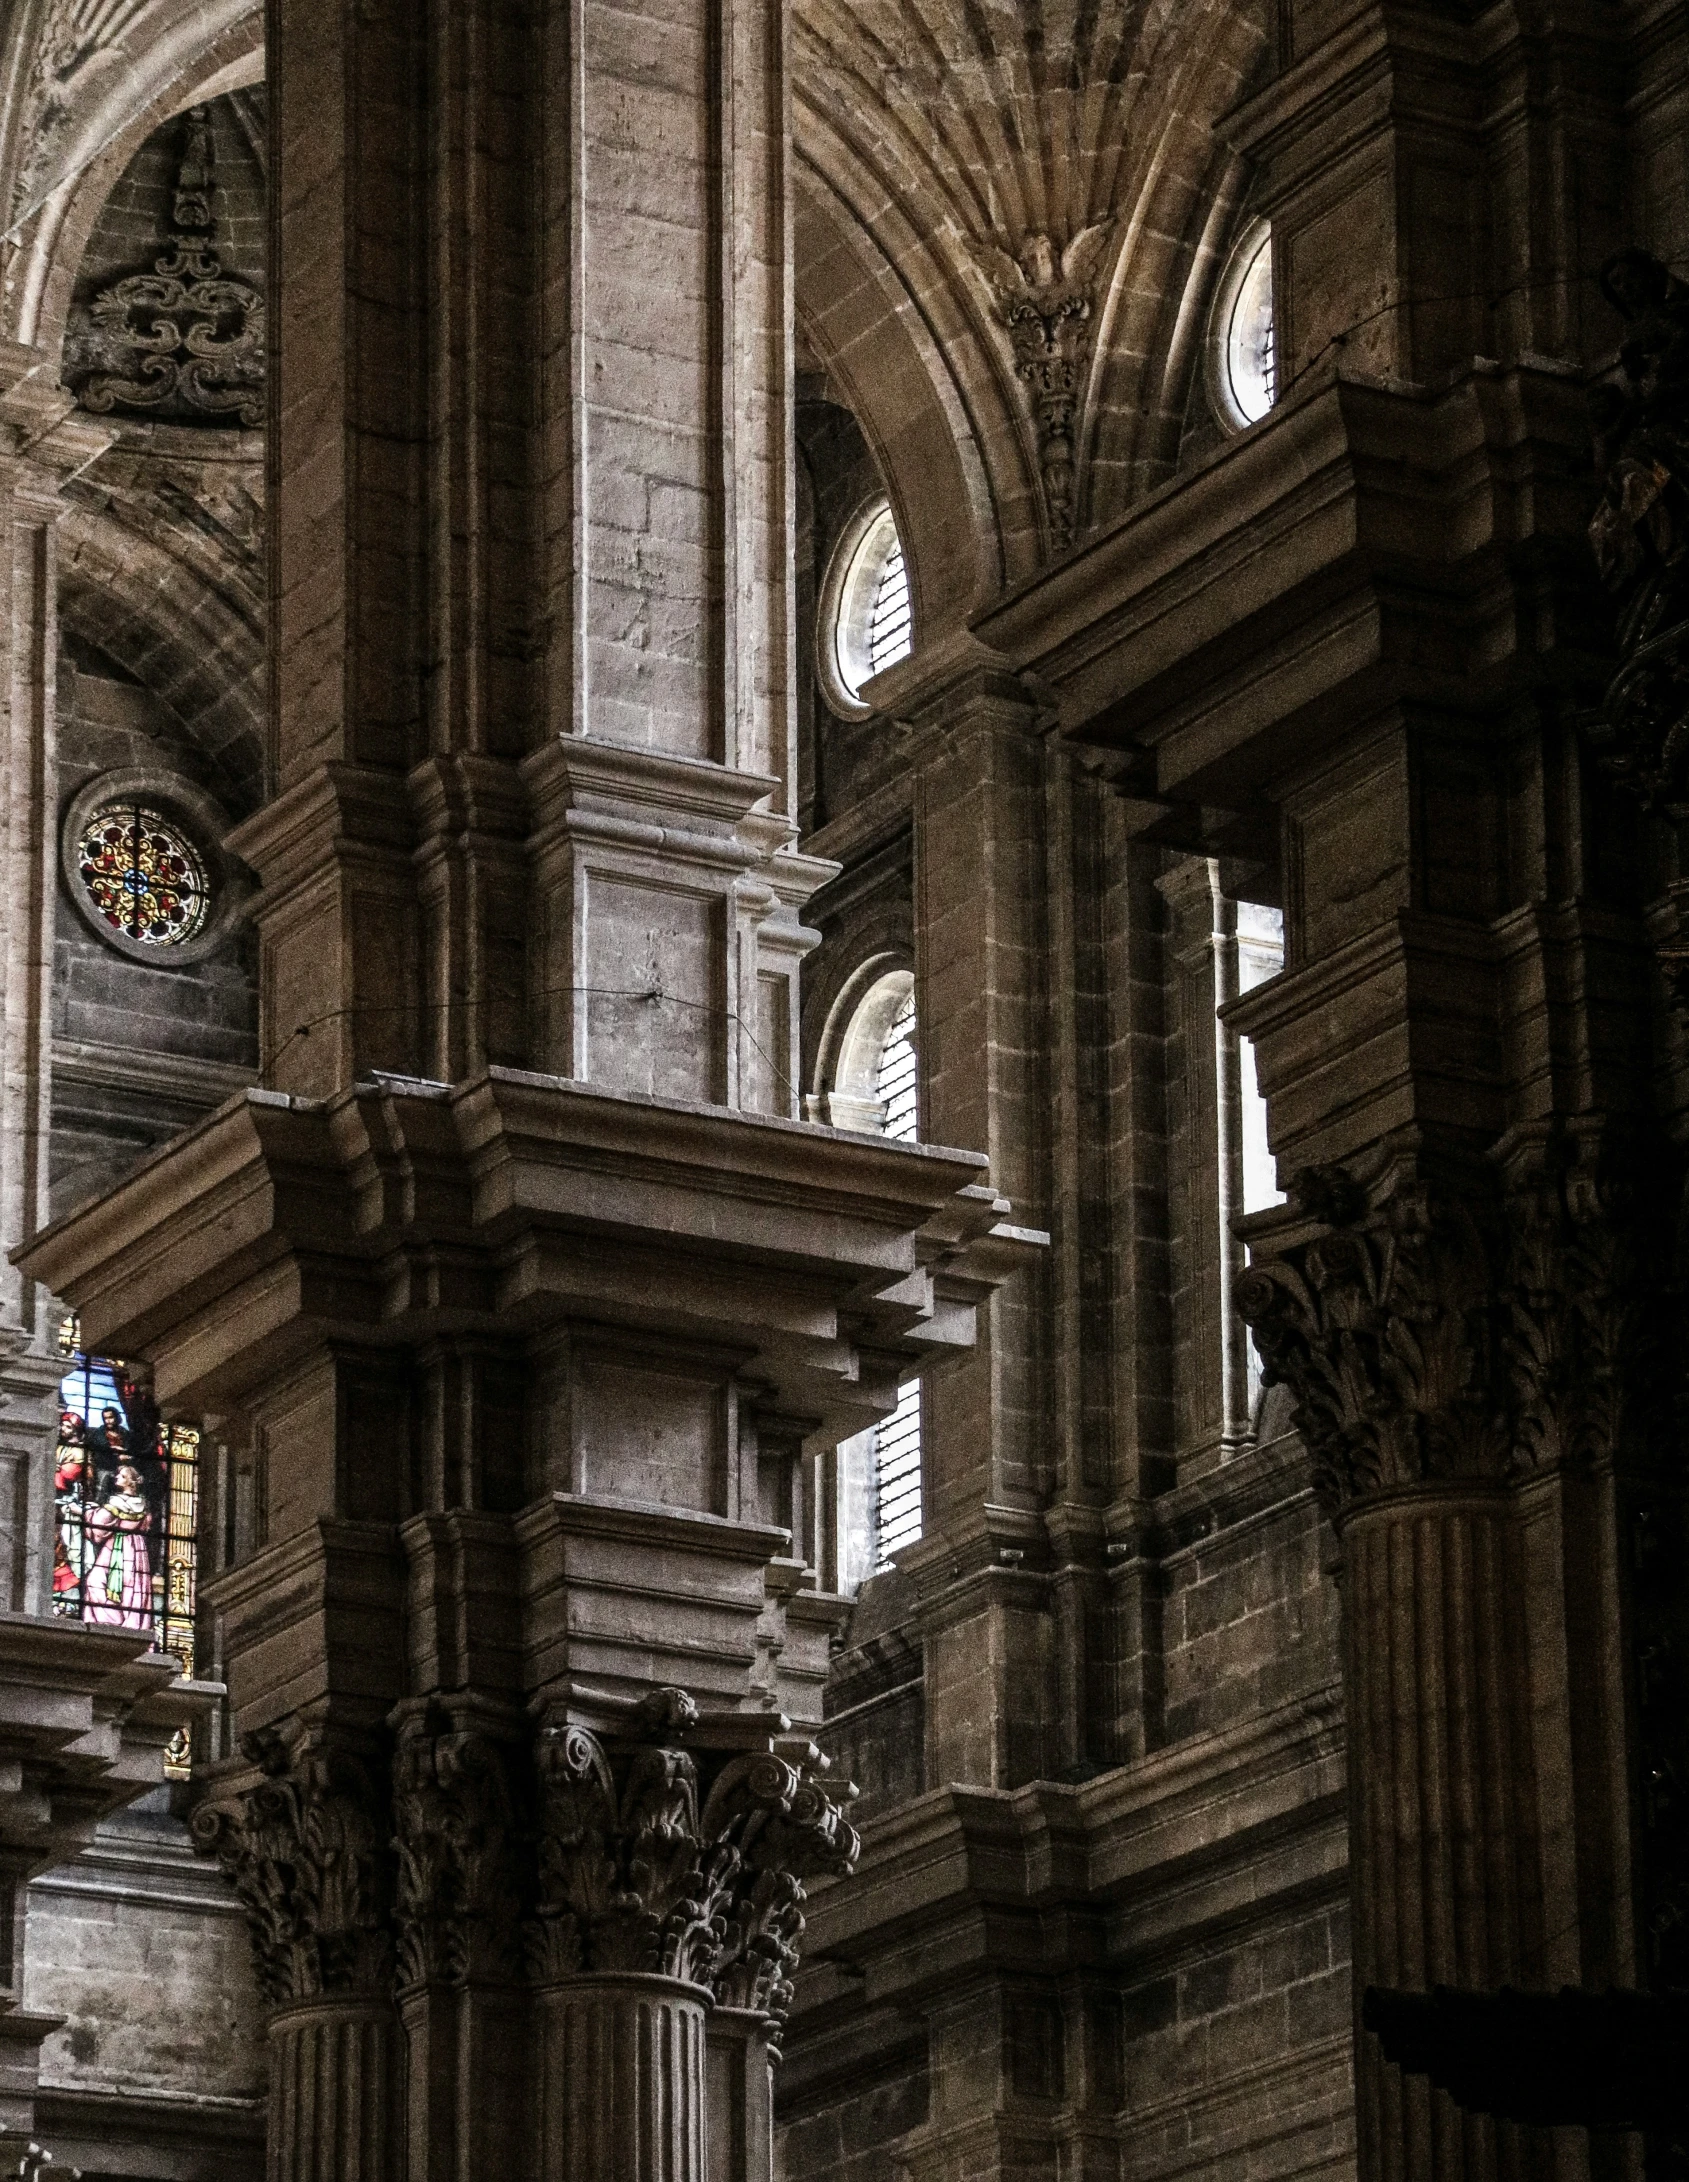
458	1901
1583	1332
640	1871
307	1851
1383	1329
1483	1330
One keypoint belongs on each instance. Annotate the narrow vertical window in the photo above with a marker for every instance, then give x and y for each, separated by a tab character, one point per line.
897	1477
897	1441
872	1080
895	1083
125	1510
1260	955
1243	364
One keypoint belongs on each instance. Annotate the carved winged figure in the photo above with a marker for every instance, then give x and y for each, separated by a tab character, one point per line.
1043	297
1042	283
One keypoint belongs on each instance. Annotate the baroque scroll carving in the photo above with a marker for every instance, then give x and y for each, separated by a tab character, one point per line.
185	341
1044	298
1640	531
458	1901
1423	1342
639	1870
1382	1328
307	1852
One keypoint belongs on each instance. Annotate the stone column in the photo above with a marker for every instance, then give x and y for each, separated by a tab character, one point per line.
42	441
661	1891
308	1850
1469	1369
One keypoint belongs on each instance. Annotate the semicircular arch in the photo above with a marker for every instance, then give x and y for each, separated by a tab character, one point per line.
178	635
175	55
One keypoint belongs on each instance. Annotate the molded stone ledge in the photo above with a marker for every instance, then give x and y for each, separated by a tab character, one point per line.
1123	1864
515	1201
1359	537
85	1717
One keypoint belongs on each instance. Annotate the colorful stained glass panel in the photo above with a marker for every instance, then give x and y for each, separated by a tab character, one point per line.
125	1504
143	876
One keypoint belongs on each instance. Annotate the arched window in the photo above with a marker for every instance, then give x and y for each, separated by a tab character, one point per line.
875	1087
866	619
1242	360
870	1064
125	1510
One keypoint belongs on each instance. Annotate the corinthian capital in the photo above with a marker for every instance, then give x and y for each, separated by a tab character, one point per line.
307	1851
1384	1328
784	1828
459	1893
643	1869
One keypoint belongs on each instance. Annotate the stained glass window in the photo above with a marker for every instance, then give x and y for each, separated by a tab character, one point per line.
125	1509
143	875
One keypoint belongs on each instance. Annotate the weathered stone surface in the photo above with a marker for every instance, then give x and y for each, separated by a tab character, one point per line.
523	1314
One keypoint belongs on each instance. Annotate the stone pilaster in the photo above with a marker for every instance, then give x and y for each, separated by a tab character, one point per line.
43	439
1469	1369
308	1850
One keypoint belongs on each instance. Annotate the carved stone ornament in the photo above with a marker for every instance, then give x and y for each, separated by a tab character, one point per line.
638	1872
1419	1344
458	1902
1584	1332
307	1852
1382	1327
1043	297
185	341
1640	532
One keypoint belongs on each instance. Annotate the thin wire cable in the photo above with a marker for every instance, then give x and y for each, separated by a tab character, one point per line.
653	994
1462	295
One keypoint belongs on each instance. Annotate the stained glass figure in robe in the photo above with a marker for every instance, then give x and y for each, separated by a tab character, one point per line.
125	1502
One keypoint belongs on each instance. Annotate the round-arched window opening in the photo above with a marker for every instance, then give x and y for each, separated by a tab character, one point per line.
1242	362
866	622
896	1080
144	878
875	1073
142	864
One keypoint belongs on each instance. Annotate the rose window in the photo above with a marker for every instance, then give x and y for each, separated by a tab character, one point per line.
142	875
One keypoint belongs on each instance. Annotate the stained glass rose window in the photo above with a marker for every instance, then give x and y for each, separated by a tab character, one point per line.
142	875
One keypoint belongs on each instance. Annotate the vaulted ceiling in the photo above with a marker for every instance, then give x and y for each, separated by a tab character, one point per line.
1010	217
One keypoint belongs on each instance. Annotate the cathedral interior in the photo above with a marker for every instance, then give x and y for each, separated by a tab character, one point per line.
844	1090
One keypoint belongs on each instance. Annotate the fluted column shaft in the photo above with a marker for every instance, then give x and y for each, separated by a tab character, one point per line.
1446	1884
334	2106
622	2094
